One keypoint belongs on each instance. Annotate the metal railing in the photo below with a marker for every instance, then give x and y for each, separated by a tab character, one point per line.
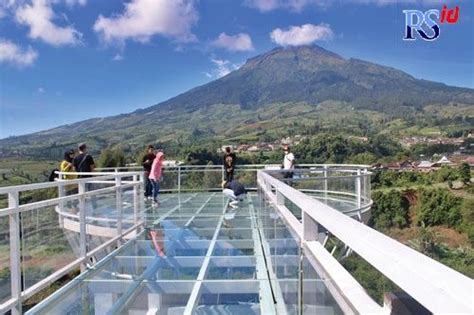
347	184
439	289
18	248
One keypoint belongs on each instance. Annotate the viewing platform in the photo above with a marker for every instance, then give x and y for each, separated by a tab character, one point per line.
279	252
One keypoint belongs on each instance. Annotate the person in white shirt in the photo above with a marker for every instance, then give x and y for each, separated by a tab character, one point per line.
288	164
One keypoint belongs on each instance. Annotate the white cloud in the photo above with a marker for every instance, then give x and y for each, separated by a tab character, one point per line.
39	17
222	68
239	42
41	90
72	3
292	5
263	5
117	57
13	54
301	35
142	19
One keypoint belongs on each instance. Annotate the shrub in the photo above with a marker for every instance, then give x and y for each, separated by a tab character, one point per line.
439	207
390	209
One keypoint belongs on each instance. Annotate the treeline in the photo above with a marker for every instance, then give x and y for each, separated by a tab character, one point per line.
321	148
388	178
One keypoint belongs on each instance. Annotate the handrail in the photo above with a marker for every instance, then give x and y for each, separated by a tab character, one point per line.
115	182
19	294
55	184
438	288
361	166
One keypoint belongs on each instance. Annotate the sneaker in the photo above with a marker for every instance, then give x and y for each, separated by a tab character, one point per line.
234	203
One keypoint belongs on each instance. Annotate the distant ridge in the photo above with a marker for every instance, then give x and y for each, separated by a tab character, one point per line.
308	75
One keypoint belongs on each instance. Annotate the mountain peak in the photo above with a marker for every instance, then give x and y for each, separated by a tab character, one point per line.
297	53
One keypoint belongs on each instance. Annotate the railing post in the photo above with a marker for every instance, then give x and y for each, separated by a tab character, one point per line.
82	225
61	193
223	173
179	178
15	252
118	204
325	182
358	188
136	198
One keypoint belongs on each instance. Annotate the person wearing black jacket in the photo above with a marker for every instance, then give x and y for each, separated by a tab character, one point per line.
229	164
84	163
146	163
235	191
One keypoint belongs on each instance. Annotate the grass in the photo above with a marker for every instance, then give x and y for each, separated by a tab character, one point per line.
24	171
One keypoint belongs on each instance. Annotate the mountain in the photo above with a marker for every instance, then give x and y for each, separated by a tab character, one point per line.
295	88
312	74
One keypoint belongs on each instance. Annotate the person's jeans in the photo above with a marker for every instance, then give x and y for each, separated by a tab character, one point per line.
229	175
156	188
148	187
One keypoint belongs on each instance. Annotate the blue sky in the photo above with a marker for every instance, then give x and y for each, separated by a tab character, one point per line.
63	61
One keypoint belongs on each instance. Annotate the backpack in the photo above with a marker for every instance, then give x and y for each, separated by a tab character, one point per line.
53	175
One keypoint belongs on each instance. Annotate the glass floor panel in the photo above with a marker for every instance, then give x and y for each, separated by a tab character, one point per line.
195	255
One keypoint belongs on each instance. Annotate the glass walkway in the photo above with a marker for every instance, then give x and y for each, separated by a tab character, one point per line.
279	252
197	255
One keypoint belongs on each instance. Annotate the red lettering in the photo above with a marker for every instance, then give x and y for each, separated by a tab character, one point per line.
449	15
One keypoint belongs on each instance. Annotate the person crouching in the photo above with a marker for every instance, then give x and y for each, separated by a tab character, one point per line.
235	191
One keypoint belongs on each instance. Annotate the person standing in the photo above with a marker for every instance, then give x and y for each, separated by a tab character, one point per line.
84	163
229	164
288	164
66	166
156	173
147	162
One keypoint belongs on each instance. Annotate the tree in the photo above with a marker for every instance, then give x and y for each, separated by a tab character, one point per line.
439	207
390	209
464	171
111	158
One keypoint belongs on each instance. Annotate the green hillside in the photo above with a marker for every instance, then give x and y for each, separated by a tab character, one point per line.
304	90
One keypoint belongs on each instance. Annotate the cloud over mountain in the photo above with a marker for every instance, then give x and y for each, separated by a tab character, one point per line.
301	35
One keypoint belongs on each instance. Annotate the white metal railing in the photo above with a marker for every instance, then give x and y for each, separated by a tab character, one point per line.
117	182
181	178
438	288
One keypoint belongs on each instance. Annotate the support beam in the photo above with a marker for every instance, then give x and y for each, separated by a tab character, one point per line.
15	250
